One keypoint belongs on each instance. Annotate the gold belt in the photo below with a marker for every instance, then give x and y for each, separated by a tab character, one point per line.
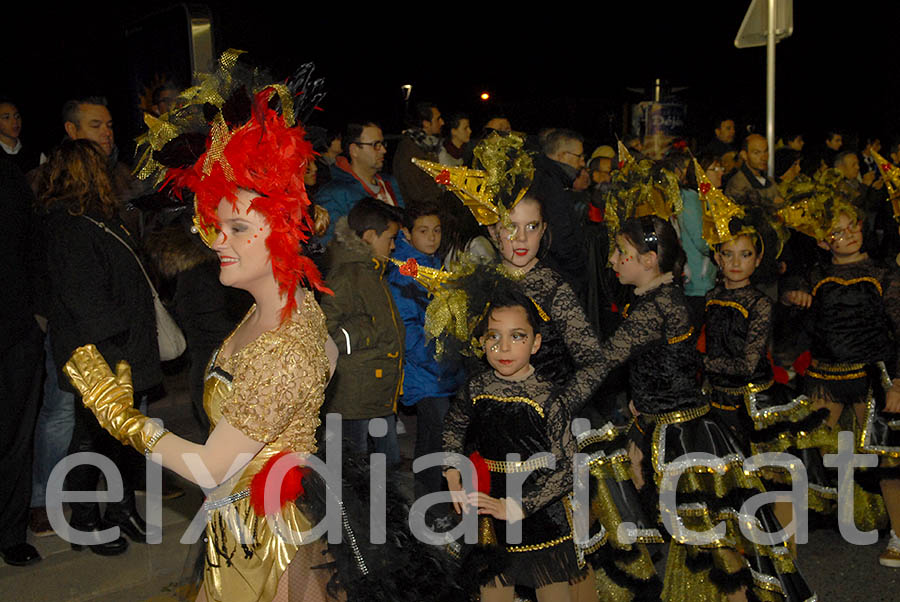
748	388
523	466
825	371
678	416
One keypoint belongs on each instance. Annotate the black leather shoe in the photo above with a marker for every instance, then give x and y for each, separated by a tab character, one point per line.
131	525
112	548
21	554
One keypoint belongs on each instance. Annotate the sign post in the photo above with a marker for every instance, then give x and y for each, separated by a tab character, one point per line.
766	23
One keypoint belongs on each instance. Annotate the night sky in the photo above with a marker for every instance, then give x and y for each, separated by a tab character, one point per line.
562	65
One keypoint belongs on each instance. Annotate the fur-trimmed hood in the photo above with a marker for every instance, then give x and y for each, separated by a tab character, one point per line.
346	247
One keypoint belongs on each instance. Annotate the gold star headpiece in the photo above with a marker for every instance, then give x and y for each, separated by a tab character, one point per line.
891	176
815	205
637	189
718	211
493	191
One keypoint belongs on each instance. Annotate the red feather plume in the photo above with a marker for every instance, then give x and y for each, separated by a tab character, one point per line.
481	477
291	485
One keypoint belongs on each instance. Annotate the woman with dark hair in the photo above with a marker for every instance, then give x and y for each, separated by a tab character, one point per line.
97	294
454	145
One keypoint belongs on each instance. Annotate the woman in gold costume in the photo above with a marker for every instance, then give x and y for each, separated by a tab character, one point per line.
265	384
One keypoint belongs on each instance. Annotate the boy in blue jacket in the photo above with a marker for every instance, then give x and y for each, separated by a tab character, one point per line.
427	384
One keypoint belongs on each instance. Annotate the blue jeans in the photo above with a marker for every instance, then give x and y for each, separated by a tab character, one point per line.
356	438
53	431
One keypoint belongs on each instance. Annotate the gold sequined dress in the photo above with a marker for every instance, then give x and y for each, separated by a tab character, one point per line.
271	390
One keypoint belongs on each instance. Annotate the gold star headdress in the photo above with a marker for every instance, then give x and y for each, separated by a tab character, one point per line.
718	210
638	188
814	205
493	191
891	176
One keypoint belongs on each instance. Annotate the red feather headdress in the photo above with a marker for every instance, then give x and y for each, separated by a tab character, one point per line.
221	139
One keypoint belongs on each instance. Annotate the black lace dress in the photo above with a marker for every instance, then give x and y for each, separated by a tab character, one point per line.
656	339
568	341
765	416
497	417
852	326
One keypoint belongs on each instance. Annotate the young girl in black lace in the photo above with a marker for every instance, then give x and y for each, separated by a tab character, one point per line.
569	341
854	323
569	344
763	415
672	418
510	409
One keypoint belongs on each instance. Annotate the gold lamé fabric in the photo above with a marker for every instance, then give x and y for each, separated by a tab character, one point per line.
271	390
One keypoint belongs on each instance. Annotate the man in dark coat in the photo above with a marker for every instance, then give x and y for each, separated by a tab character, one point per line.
21	366
555	171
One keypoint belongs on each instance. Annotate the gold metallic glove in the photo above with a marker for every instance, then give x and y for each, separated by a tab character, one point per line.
111	398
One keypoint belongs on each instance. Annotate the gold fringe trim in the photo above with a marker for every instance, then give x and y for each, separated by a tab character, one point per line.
540	546
537	407
844	282
730	304
682	337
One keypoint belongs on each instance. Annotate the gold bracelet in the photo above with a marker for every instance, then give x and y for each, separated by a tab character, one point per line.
153	441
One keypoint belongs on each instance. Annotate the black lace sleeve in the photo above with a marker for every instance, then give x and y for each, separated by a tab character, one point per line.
759	331
644	326
578	334
456	422
547	485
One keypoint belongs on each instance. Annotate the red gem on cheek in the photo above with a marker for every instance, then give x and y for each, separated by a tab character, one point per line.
705	188
443	177
886	166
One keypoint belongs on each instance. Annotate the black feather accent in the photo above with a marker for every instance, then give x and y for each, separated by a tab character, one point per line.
182	151
237	109
307	93
209	111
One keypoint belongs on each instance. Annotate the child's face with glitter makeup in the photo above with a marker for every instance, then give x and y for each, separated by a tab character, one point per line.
510	341
626	261
519	250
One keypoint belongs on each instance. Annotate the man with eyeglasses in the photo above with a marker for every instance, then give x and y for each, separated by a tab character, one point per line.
355	174
555	171
422	140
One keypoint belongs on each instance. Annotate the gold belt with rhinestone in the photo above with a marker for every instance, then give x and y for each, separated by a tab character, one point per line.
678	415
523	466
748	388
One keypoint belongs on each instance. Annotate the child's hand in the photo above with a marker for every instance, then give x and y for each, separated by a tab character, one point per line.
500	508
457	493
892	399
798	298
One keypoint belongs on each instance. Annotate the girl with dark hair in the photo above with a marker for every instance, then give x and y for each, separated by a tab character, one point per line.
511	409
569	340
672	419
